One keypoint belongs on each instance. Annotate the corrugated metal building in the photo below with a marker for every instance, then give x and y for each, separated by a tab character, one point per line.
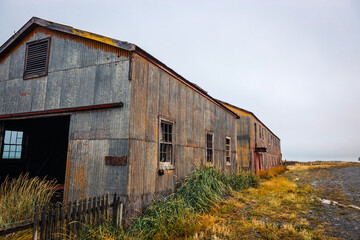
258	148
102	115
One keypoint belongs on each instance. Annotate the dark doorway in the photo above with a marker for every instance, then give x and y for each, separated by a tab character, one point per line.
37	146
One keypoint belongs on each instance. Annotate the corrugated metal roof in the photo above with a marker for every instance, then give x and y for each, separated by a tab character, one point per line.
241	109
35	21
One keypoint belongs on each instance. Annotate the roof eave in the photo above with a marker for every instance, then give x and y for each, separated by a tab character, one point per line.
35	21
155	61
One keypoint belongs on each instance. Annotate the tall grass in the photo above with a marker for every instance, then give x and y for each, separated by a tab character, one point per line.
176	217
19	196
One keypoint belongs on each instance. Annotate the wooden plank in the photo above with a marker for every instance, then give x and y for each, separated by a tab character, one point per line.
56	222
43	223
7	231
36	223
62	221
68	219
49	222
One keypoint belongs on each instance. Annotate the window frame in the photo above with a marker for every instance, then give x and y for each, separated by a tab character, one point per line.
168	164
27	76
22	153
212	147
228	151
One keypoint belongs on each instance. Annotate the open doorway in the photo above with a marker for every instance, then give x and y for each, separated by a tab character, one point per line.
37	146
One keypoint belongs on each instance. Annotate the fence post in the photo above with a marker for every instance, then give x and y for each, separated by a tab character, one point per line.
120	213
114	211
68	219
43	223
49	222
62	220
36	224
107	206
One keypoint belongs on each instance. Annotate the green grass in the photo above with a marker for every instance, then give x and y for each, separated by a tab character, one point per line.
176	216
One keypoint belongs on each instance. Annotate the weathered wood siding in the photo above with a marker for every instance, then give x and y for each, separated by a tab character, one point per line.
80	73
156	94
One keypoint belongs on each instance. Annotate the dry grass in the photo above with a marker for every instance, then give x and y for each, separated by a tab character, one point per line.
272	172
18	198
323	165
274	210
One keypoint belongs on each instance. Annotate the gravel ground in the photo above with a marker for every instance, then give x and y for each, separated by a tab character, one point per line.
341	186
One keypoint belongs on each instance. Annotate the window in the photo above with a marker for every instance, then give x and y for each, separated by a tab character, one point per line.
263	133
166	143
36	58
209	147
255	131
260	132
227	150
12	147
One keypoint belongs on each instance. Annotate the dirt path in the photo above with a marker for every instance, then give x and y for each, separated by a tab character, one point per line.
338	190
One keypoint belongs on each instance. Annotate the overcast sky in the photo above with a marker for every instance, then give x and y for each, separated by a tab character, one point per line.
295	64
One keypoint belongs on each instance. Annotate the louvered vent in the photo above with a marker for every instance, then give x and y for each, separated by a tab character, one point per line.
36	60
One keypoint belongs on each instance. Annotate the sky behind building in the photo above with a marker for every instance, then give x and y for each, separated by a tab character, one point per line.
294	64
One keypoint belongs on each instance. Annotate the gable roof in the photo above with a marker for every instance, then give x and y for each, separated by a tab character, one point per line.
251	113
35	22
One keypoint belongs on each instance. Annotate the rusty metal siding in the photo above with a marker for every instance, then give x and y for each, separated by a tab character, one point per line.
94	135
79	75
246	143
154	95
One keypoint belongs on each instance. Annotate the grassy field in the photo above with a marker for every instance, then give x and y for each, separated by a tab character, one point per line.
275	209
210	205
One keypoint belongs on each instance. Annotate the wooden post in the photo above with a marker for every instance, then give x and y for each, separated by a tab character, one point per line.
73	217
94	211
84	214
56	222
102	209
89	212
114	211
43	223
62	220
98	210
106	206
68	219
49	222
120	213
36	224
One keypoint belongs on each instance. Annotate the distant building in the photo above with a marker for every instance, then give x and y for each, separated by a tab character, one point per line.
258	148
103	116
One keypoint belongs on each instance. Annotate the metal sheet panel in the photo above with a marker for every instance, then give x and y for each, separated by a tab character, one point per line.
152	105
164	94
4	69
